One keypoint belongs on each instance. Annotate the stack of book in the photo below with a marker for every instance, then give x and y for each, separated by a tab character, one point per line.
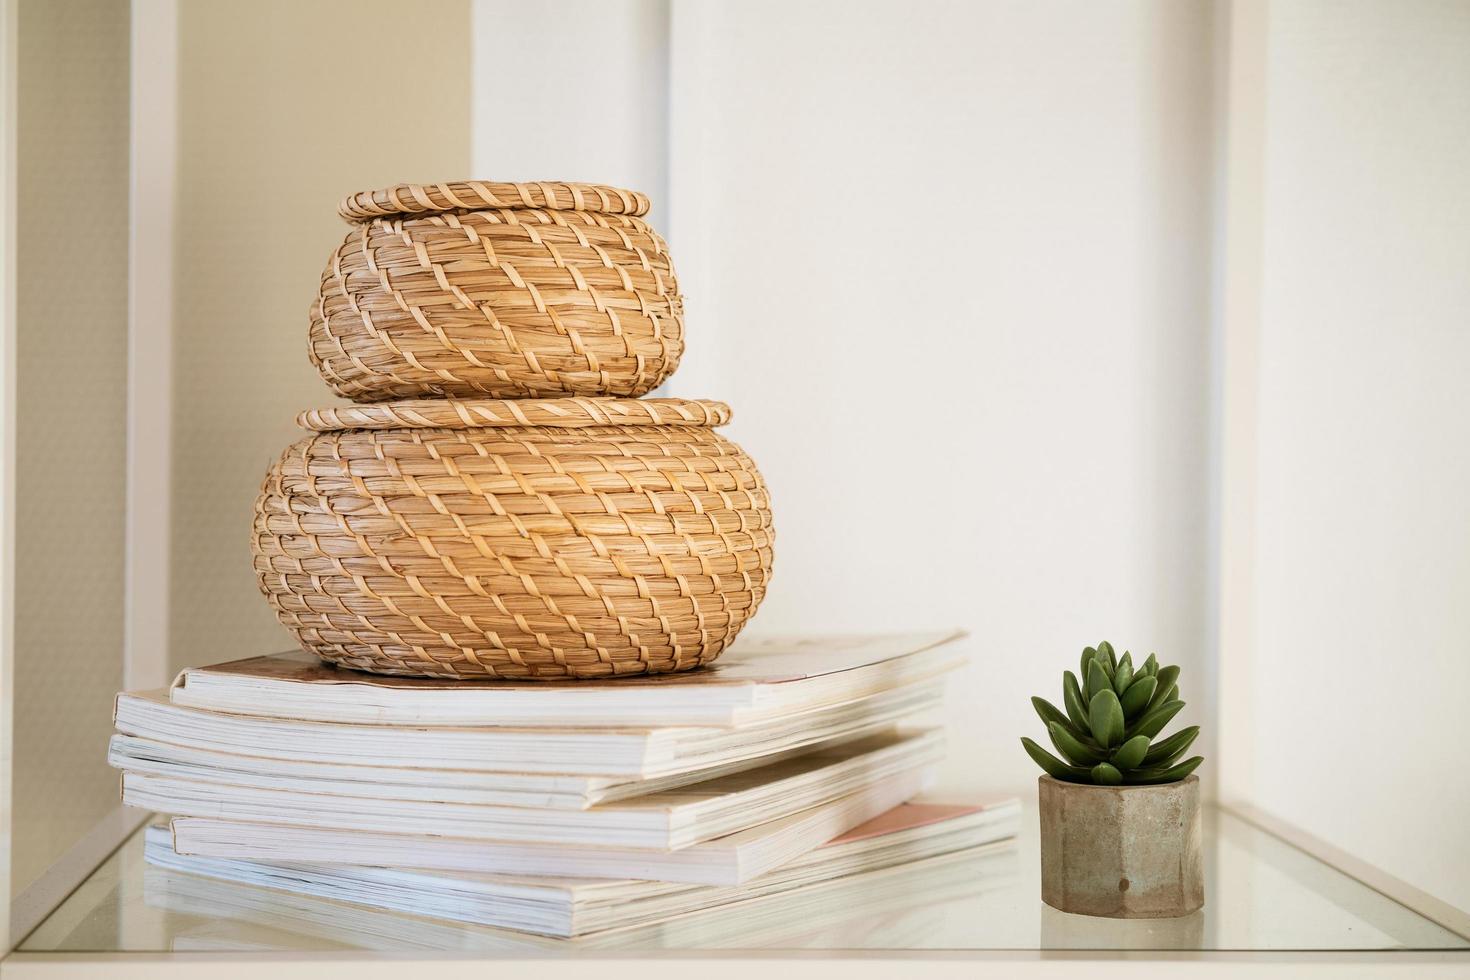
560	809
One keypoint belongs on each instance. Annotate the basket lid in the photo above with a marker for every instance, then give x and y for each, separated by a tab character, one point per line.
477	195
561	413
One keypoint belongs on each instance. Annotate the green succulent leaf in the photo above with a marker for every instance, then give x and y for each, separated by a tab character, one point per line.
1151	665
1163	697
1168	678
1087	654
1106	649
1048	711
1171	748
1051	713
1131	753
1053	766
1136	698
1105	715
1155	719
1106	775
1123	676
1073	700
1097	680
1073	749
1172	775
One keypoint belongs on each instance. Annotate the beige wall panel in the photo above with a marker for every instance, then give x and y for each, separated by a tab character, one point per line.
71	405
284	107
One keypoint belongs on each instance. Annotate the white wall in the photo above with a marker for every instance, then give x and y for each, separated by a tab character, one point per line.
572	90
950	263
1362	540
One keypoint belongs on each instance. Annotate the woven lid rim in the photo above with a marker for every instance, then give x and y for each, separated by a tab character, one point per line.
472	195
567	413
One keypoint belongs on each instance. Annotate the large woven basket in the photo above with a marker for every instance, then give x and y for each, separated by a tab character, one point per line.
477	289
523	539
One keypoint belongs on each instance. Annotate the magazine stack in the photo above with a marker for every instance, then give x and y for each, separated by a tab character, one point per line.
564	809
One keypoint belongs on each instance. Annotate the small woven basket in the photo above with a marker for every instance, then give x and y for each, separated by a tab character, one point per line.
572	538
488	290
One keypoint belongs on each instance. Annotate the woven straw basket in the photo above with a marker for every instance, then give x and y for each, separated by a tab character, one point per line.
487	290
520	539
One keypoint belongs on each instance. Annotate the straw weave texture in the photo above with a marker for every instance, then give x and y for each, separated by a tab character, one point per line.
559	413
489	548
518	301
477	195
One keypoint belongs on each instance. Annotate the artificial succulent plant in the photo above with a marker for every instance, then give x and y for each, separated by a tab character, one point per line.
1113	715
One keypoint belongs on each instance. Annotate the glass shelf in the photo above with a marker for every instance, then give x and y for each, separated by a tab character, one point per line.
1262	894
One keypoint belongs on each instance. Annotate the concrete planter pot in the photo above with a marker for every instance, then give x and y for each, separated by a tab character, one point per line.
1126	852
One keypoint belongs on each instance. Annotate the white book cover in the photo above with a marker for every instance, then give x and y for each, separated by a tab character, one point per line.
662	821
626	752
904	836
756	680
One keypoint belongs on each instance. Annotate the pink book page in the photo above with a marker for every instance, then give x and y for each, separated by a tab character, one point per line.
907	816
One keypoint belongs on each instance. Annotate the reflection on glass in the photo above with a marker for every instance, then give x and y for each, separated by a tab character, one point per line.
844	914
1063	930
1262	894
